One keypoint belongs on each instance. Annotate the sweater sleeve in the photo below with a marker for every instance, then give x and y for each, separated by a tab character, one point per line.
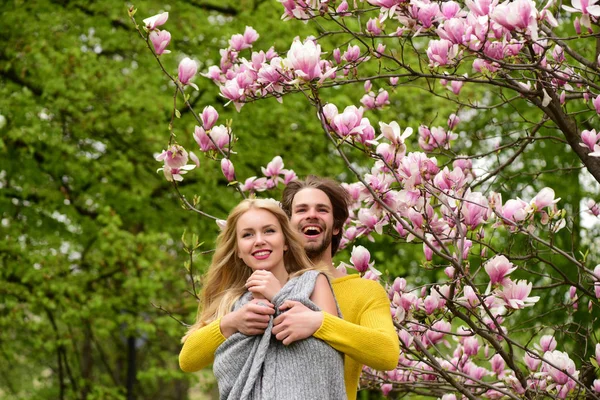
373	341
199	349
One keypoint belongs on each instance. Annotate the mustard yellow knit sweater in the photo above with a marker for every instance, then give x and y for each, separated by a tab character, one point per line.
366	335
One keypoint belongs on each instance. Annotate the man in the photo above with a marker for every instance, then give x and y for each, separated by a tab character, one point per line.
318	208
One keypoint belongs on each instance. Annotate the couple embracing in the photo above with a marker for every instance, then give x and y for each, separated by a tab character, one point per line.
277	319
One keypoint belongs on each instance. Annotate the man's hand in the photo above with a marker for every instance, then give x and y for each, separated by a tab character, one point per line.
263	283
297	323
251	319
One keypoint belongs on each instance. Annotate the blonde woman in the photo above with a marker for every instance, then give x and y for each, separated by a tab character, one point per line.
260	262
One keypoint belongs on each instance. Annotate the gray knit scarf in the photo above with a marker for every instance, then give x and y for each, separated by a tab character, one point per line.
261	368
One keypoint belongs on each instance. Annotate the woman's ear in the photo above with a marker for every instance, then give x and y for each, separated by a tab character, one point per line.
285	247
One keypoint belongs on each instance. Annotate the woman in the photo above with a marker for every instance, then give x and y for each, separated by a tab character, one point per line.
259	256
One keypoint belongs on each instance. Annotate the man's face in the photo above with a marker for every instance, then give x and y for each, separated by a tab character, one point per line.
312	215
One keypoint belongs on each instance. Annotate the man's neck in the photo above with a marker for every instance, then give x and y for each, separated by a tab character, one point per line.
326	260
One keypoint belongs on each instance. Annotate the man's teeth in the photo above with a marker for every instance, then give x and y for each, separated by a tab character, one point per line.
311	230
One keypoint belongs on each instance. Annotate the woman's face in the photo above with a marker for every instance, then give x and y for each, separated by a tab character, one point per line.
260	241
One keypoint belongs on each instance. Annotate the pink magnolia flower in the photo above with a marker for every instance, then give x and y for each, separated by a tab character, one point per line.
547	343
238	43
518	14
596	385
209	117
186	71
380	50
213	73
463	163
558	54
232	91
428	252
386	388
220	136
437	332
470	296
155	21
441	52
451	9
447	180
367	135
352	54
586	7
481	8
360	258
349	122
370	275
594	208
498	364
453	121
175	160
274	168
498	268
382	99
202	139
394	80
562	366
250	35
456	86
288	176
515	210
394	134
432	303
425	12
435	137
399	284
227	169
253	184
532	362
368	101
374	27
471	346
342	9
475	209
516	294
596	103
544	199
589	138
160	40
597	353
304	59
329	112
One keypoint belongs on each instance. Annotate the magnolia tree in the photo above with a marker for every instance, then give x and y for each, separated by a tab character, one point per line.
471	332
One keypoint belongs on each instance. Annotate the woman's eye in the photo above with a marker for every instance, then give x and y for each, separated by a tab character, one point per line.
247	234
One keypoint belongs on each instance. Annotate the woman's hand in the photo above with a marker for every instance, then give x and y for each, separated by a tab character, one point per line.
251	319
263	283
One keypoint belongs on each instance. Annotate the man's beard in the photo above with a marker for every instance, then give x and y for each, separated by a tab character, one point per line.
315	250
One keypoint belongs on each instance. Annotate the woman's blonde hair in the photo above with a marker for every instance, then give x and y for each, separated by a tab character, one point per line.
224	282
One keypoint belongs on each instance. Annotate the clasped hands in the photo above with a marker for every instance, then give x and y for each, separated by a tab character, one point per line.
296	323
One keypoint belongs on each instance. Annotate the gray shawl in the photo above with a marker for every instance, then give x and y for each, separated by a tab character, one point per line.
261	368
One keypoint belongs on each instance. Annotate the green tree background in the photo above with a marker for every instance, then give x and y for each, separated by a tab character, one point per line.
90	244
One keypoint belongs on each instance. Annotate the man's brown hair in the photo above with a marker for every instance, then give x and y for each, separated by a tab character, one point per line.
337	195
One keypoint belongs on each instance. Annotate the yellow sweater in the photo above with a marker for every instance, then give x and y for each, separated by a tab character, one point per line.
366	335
